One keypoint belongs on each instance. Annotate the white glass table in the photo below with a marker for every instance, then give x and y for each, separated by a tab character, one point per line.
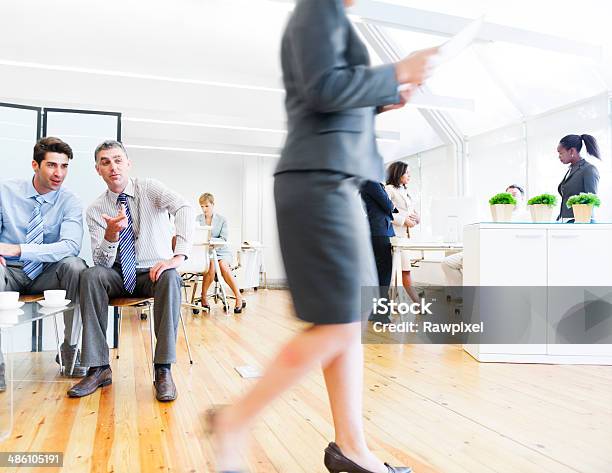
29	313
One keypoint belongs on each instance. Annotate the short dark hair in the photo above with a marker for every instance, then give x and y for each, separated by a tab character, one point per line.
109	144
395	171
517	187
50	144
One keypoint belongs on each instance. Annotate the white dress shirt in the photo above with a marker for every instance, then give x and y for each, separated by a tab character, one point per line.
151	205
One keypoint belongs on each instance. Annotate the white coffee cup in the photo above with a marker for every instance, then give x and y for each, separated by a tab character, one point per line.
55	296
9	298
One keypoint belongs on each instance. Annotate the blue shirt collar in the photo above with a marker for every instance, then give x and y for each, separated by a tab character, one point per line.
49	197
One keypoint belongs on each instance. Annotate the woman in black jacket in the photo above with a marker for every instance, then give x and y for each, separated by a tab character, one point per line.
581	176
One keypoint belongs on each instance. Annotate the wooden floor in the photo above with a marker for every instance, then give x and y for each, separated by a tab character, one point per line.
431	407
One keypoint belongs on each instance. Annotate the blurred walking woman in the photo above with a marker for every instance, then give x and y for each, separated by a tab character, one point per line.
332	96
581	176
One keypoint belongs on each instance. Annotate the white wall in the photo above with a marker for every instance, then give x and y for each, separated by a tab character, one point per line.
242	187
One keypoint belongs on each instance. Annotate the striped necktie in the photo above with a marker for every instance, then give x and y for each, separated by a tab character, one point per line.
127	249
34	236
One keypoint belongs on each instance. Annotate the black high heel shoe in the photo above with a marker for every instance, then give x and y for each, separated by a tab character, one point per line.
336	462
238	310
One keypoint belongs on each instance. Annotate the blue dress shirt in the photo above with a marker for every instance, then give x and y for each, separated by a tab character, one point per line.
62	216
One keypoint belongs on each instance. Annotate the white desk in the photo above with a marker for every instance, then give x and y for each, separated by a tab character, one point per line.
540	255
399	244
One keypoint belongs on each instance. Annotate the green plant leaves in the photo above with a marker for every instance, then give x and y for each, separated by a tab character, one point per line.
583	198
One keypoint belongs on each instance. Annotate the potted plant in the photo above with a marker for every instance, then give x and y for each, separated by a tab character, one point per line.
541	207
582	206
502	206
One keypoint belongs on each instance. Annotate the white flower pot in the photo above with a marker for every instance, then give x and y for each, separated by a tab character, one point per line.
502	212
541	213
582	213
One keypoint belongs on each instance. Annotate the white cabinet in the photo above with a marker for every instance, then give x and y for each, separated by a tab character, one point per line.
564	262
579	266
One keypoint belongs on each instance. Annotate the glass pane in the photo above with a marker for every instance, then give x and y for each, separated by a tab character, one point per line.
18	133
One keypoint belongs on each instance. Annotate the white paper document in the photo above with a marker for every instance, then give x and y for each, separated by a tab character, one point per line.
454	46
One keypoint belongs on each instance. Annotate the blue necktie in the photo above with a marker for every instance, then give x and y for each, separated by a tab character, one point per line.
127	250
34	235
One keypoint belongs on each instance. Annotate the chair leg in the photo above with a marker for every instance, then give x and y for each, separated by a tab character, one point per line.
120	313
151	328
186	337
219	277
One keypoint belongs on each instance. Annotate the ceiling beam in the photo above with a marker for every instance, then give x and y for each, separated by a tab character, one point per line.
442	24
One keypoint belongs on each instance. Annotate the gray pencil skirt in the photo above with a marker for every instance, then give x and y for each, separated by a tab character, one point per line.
325	244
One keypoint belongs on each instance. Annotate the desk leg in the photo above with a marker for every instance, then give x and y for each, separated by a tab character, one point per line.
396	271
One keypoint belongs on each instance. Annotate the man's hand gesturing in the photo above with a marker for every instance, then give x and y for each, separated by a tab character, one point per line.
114	225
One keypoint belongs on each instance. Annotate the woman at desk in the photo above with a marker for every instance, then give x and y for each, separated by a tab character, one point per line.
581	176
398	176
219	230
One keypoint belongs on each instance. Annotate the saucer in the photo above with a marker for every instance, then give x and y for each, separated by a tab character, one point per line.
54	305
11	307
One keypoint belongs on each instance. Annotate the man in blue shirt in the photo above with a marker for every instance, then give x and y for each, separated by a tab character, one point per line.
41	231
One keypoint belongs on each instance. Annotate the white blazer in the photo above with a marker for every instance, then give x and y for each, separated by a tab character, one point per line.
403	203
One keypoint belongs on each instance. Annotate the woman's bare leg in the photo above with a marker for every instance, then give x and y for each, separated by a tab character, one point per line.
320	345
231	281
207	280
407	283
344	382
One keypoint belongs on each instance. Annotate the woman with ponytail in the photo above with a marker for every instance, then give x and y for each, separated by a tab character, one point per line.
581	176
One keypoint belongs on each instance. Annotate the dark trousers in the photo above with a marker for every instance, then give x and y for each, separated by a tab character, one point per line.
384	262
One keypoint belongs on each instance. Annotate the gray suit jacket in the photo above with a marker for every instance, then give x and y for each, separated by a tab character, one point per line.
583	178
331	93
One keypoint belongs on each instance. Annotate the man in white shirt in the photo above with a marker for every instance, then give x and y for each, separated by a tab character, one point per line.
131	242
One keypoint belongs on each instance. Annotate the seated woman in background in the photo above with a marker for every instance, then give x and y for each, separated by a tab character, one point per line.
398	176
219	230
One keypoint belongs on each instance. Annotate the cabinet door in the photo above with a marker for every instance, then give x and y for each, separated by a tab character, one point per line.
580	265
516	258
513	257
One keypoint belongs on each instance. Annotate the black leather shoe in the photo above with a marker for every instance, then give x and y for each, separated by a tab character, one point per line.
67	352
238	310
165	390
96	378
336	462
2	379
